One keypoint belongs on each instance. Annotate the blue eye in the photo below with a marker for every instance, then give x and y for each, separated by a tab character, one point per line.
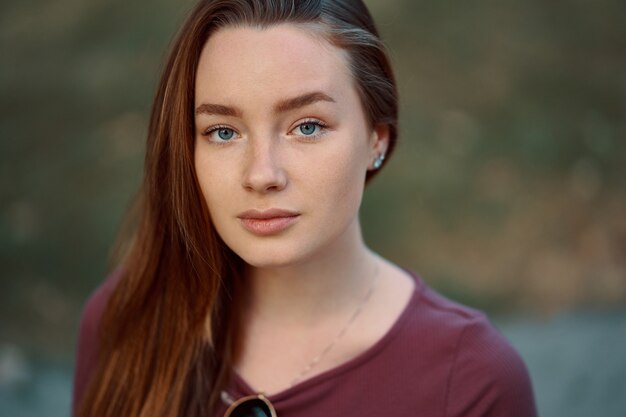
308	129
225	133
220	134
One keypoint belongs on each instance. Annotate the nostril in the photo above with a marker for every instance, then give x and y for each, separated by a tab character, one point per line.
264	178
264	171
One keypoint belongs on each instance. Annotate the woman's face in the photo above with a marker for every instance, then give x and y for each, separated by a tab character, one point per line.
282	143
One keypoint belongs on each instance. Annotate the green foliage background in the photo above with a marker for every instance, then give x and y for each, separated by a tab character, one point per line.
507	190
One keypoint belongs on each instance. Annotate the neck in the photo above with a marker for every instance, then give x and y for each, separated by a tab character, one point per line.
331	282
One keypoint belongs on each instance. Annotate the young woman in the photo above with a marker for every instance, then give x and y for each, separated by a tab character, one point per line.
247	289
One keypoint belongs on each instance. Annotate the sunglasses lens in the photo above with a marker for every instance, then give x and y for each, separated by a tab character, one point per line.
254	407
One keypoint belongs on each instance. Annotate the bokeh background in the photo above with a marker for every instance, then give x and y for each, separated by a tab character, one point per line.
507	190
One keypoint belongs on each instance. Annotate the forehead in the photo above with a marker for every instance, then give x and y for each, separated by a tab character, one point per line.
277	61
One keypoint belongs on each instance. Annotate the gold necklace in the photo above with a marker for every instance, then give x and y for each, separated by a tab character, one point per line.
339	335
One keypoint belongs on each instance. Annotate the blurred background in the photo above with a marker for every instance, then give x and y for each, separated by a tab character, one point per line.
507	190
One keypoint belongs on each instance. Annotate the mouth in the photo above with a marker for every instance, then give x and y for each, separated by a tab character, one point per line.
267	222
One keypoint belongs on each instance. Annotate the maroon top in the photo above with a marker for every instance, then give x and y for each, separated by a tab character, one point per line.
438	359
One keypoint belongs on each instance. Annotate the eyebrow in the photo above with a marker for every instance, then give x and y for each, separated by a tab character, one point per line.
301	101
218	109
281	107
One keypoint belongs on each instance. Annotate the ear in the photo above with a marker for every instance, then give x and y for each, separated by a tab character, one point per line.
379	143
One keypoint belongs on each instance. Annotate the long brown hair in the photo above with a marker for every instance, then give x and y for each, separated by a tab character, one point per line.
169	330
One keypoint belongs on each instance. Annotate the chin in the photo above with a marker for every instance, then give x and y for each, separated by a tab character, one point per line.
266	255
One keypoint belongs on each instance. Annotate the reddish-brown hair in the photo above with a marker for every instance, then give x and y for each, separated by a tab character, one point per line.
168	333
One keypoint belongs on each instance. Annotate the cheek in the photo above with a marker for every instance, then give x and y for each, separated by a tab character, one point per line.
201	173
210	180
341	178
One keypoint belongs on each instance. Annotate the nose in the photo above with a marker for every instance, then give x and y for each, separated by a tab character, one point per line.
263	172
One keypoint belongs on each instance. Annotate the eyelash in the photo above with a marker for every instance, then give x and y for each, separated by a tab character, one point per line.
208	132
323	129
322	126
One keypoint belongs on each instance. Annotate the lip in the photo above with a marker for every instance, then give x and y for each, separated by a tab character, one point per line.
268	222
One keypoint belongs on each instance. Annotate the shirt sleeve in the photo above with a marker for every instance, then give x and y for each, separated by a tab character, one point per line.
488	377
87	343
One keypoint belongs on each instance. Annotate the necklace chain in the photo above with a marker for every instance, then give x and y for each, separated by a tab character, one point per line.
339	335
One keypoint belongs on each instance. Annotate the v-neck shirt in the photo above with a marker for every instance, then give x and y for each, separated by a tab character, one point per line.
438	359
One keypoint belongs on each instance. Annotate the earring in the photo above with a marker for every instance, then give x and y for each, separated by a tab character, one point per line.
378	161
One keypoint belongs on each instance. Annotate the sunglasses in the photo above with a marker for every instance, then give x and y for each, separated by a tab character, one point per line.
251	406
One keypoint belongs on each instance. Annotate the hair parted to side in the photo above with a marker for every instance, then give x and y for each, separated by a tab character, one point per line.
170	328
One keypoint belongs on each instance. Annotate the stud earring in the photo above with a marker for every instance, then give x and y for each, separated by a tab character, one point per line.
378	161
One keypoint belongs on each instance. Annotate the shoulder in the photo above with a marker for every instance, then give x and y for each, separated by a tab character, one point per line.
488	376
484	374
444	320
88	335
93	310
96	303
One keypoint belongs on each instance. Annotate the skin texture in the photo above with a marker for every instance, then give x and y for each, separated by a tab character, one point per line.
270	163
304	282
